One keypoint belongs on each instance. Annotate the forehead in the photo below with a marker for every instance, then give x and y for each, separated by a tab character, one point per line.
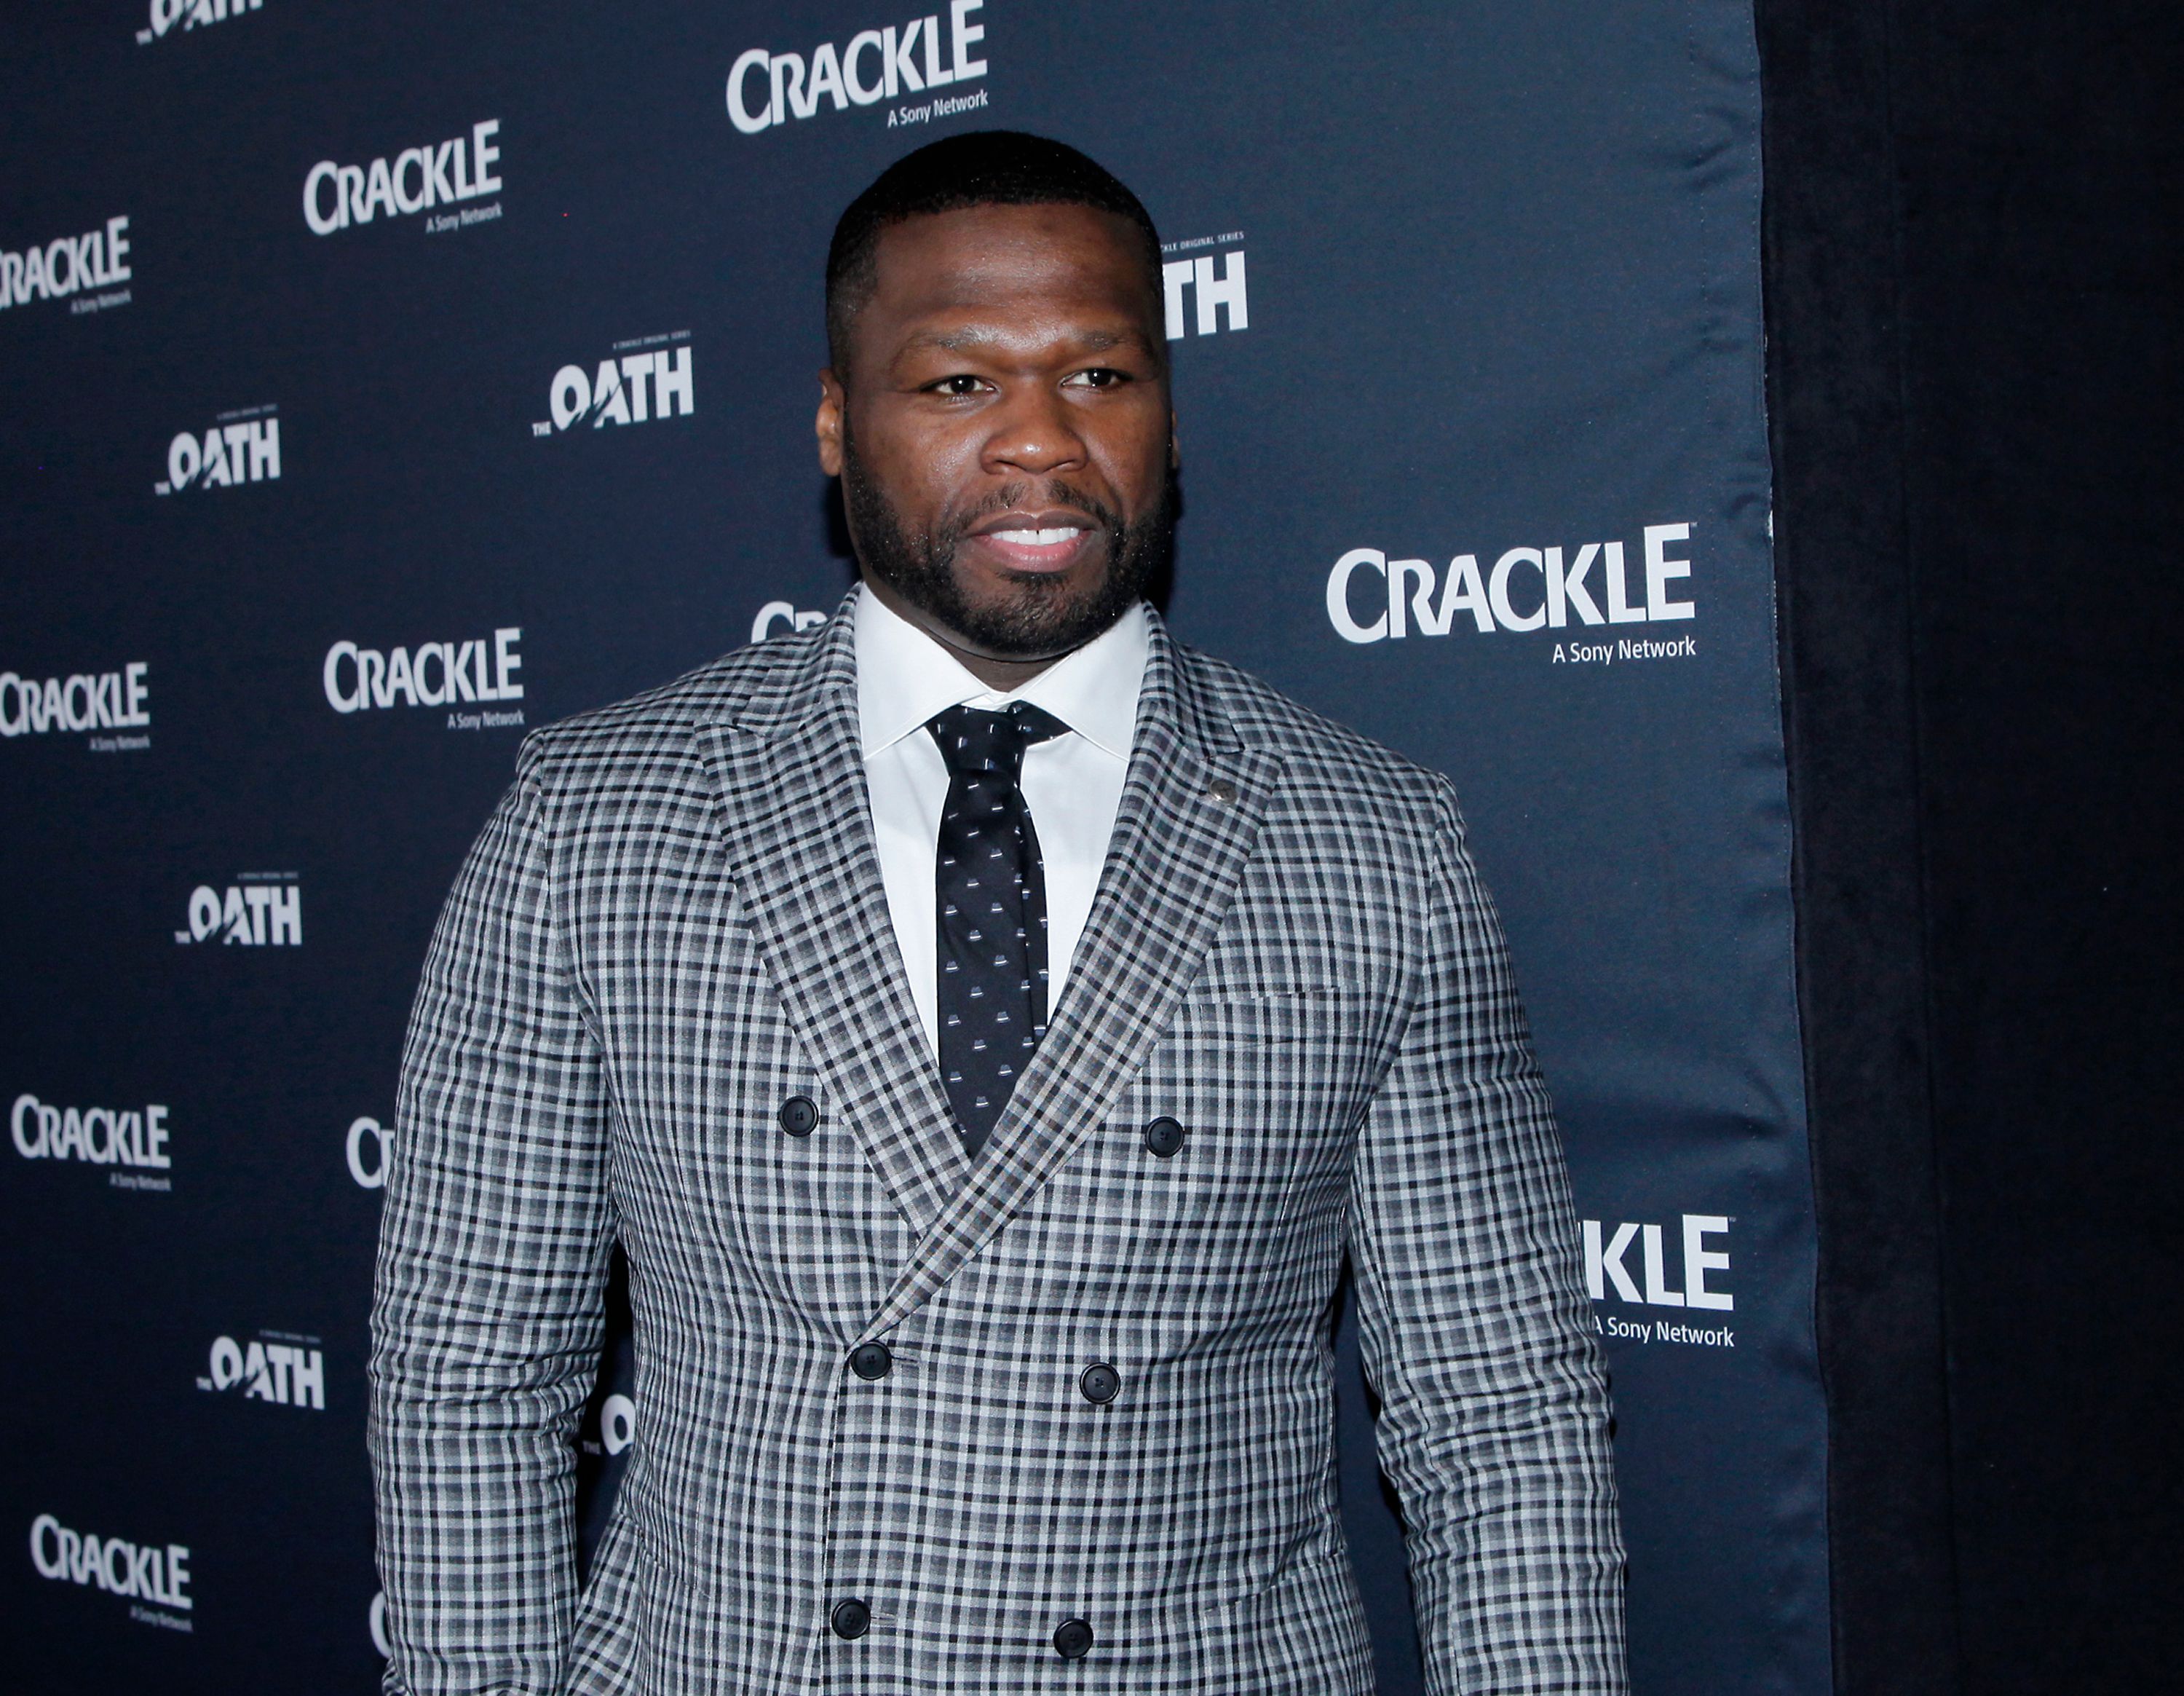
1009	262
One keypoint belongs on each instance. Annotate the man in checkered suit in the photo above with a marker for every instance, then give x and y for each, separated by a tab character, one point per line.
980	1287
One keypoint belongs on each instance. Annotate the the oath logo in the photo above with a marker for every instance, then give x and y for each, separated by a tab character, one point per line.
130	1141
415	180
766	88
86	700
359	680
193	14
258	910
71	266
1204	289
1372	598
367	1147
273	1366
778	617
641	381
1696	1283
146	1573
243	446
617	1426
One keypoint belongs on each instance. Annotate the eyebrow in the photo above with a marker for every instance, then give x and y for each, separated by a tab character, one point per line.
962	341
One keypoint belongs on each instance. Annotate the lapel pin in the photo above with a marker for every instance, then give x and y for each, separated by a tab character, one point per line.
1220	789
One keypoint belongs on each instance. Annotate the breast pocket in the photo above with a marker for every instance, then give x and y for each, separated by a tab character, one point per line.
1268	1087
1257	1027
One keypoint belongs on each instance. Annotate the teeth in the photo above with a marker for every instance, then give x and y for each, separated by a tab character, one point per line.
1039	538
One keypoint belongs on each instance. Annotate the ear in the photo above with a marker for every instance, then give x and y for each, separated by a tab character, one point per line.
828	425
1174	445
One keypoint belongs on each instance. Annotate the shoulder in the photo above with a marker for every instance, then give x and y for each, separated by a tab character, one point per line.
1315	751
651	732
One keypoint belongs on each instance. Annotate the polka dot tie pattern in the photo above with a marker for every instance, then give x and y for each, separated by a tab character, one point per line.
990	906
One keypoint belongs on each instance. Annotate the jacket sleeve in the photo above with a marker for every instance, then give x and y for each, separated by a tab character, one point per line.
1494	1417
487	1314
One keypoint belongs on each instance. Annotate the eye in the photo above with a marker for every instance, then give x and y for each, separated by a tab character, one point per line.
1098	377
956	387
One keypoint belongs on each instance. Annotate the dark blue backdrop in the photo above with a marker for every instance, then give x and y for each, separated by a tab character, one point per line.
1465	302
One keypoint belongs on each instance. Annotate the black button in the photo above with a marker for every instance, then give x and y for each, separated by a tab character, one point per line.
854	1618
1100	1382
1163	1136
799	1116
1073	1639
871	1360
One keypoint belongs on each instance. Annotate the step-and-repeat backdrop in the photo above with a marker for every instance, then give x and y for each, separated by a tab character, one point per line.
383	381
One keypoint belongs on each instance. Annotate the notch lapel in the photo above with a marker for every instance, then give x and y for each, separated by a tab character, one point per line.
795	820
1190	814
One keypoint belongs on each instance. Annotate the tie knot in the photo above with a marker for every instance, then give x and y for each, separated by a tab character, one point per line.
973	740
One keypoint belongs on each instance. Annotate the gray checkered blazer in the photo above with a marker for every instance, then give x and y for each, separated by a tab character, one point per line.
673	924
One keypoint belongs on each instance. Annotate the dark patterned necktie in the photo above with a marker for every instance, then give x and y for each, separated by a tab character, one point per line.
990	893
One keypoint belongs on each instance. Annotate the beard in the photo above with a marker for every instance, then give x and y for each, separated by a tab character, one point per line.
1035	618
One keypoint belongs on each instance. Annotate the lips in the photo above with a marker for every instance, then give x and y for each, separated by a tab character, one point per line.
1051	540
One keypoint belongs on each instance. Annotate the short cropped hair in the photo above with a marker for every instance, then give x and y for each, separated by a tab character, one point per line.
978	168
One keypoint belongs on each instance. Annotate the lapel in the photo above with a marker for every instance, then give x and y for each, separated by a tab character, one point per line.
788	781
1191	804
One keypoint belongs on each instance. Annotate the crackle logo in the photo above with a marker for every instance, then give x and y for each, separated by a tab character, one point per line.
133	1140
71	266
1698	1284
766	88
144	1572
243	446
1211	292
779	617
258	910
648	382
1372	598
358	679
415	180
273	1367
87	701
367	1147
193	14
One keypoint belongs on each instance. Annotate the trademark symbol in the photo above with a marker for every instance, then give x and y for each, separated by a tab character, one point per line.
542	429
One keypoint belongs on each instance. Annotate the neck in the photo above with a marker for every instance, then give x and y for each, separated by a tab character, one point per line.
998	674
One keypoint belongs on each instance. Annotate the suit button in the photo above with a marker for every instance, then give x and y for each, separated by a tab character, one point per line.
853	1619
799	1116
1164	1136
1073	1639
871	1360
1100	1383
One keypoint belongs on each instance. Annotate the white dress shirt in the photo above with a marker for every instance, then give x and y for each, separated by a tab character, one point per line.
1072	784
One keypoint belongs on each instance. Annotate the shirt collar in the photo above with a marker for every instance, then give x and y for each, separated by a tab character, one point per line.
904	676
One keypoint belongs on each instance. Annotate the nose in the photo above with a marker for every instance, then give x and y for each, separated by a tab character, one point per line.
1034	435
